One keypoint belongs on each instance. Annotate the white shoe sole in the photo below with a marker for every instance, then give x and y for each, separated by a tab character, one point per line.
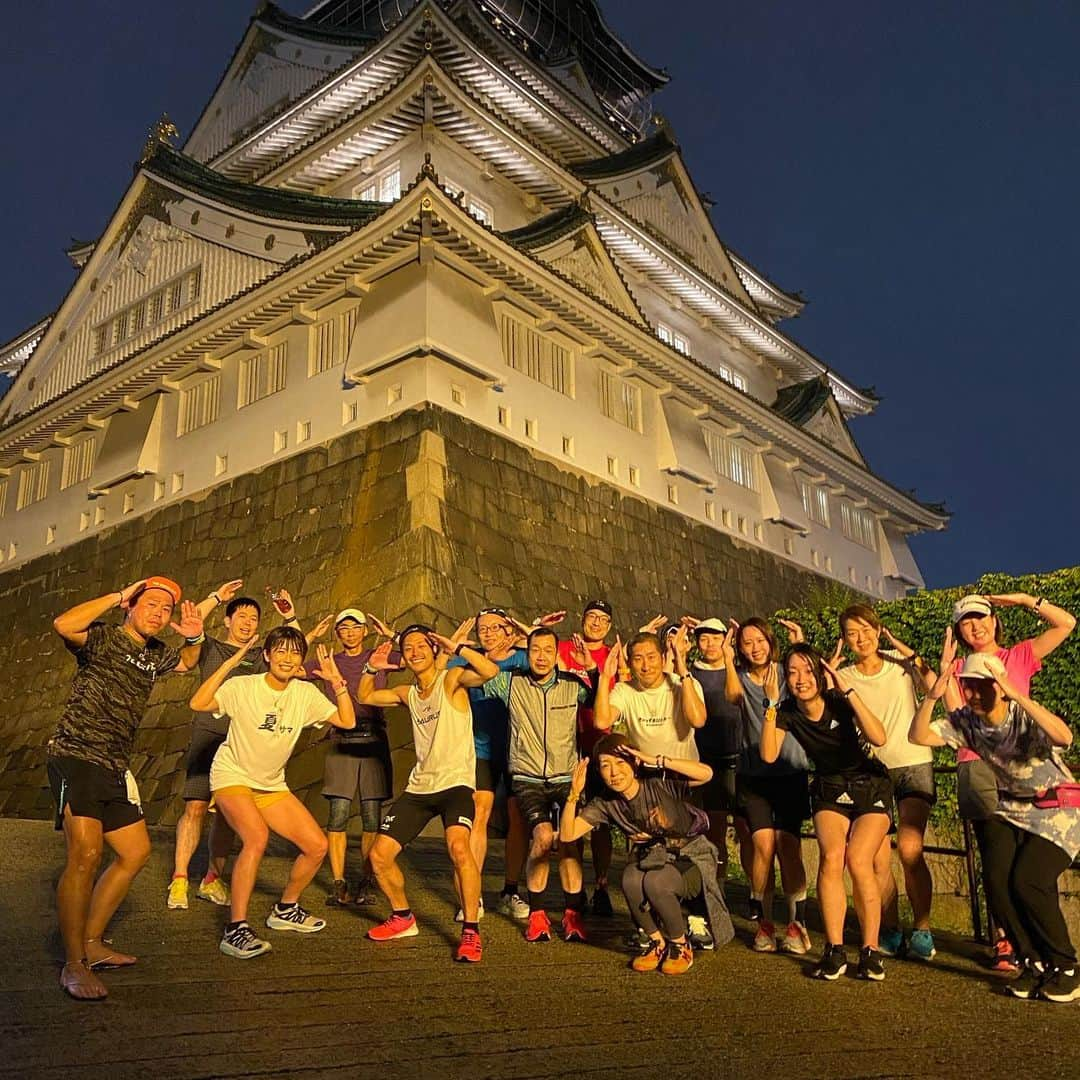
212	899
411	932
460	916
240	954
275	923
176	905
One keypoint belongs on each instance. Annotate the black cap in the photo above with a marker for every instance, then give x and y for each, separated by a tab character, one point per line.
597	605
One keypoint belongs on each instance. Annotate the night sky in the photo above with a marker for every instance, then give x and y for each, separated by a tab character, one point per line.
911	169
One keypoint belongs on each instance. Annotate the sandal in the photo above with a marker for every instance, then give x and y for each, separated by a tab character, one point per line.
78	981
110	960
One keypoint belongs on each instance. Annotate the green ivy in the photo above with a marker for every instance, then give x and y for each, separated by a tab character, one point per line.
920	621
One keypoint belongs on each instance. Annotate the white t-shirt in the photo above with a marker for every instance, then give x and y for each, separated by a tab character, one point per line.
653	719
264	726
443	738
890	696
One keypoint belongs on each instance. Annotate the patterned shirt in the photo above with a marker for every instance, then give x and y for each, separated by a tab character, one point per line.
109	695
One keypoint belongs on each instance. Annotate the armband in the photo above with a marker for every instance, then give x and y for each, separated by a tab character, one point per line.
460	645
369	670
195	640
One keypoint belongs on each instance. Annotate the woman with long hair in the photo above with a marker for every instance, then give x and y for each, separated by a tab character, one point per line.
850	793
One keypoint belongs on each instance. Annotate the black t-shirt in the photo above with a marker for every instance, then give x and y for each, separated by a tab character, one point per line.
109	695
660	808
833	743
722	734
212	655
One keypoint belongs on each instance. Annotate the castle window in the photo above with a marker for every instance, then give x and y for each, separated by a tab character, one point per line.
859	525
262	374
528	351
33	484
733	460
815	500
199	405
620	401
78	462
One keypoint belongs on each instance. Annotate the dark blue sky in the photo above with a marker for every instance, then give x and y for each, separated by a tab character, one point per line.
912	169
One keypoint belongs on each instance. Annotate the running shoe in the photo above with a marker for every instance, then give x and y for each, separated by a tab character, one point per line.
678	960
539	928
511	904
572	926
242	943
765	938
295	918
365	892
921	946
700	936
395	927
1028	984
833	964
216	891
470	948
601	903
339	894
637	940
1061	986
177	899
796	939
460	916
1005	960
870	965
891	942
649	958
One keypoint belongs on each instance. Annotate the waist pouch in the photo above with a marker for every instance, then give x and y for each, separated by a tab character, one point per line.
1064	796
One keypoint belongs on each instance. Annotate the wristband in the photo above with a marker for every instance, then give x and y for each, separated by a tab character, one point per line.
196	640
457	648
369	670
849	691
214	596
572	798
341	688
767	704
120	595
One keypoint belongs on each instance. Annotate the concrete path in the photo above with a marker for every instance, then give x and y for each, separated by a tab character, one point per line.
336	1005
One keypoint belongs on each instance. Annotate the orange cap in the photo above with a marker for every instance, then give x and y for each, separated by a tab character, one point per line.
156	581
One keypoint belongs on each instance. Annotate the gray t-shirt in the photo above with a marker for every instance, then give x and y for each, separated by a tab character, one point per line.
792	757
1025	764
212	655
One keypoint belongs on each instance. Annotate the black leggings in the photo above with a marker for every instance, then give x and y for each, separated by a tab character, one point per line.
1021	872
656	893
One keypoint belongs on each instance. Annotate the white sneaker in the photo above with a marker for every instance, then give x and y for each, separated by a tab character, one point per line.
460	916
513	906
243	944
294	918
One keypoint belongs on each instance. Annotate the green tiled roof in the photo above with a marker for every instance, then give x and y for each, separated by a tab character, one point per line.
639	156
549	228
802	401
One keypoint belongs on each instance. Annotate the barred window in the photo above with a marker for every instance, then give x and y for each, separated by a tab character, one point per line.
528	351
620	401
815	500
78	462
33	484
733	460
669	337
329	341
262	374
199	405
148	311
859	525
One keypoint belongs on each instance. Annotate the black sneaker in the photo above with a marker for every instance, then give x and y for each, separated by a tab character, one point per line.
1026	985
1061	986
870	965
338	895
601	904
365	892
833	963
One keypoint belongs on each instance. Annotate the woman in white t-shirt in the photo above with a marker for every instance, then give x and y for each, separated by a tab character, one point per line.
891	685
267	715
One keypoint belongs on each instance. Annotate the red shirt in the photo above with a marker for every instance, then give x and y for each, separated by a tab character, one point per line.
587	733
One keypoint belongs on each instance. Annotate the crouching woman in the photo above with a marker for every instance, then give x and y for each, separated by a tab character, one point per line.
670	860
1035	833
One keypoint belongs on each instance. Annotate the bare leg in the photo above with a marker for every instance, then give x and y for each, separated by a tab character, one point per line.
221	844
832	832
483	802
131	849
919	885
536	870
600	841
890	914
383	855
762	884
517	841
864	840
244	818
336	843
73	891
465	869
188	832
291	819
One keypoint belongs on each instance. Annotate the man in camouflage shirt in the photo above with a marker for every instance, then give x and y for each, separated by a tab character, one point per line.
95	793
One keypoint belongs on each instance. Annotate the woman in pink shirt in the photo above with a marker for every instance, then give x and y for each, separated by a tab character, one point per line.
978	628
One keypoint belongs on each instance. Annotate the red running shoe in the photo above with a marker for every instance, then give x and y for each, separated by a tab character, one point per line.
539	928
470	948
572	926
1005	961
394	927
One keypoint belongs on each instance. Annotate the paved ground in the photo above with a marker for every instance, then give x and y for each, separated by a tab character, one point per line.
337	1005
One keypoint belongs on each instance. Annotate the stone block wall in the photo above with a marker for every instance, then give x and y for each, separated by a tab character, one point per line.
424	516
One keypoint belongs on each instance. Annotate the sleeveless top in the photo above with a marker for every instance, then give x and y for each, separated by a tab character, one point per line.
443	738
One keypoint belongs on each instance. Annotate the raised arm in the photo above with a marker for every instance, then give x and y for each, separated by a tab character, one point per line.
923	674
190	627
571	827
221	595
604	713
871	727
204	699
772	737
478	672
1057	731
74	623
1061	623
696	772
921	733
366	693
693	704
345	717
733	690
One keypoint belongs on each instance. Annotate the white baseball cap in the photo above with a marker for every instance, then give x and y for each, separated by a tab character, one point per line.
971	605
981	666
350	613
710	626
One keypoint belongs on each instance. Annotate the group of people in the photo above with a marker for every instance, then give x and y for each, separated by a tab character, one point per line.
671	738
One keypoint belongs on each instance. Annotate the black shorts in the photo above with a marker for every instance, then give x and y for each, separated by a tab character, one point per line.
852	796
92	791
914	782
405	820
489	771
200	756
718	795
773	802
541	802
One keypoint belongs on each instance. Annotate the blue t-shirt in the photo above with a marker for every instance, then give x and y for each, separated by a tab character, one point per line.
490	717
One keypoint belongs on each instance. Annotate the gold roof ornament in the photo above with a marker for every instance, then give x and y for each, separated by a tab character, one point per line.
164	131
